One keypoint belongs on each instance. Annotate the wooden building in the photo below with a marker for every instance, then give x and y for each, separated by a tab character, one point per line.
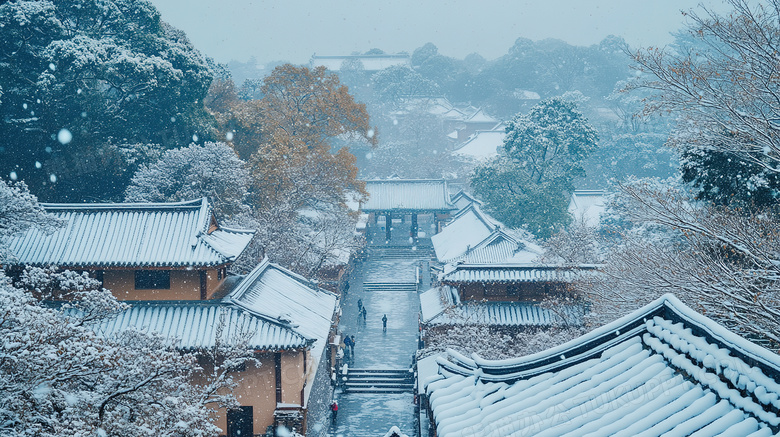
169	261
140	251
407	198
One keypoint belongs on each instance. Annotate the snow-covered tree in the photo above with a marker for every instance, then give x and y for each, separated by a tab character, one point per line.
99	70
212	170
495	343
19	211
529	184
577	244
58	376
720	81
394	84
722	261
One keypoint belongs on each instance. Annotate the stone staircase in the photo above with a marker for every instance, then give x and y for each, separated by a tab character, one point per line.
401	287
379	381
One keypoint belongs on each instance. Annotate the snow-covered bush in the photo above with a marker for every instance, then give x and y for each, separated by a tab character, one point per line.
212	170
60	377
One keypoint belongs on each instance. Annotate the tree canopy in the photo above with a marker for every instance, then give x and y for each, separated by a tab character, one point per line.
81	78
529	184
720	80
210	170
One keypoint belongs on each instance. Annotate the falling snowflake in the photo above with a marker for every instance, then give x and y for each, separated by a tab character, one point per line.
64	136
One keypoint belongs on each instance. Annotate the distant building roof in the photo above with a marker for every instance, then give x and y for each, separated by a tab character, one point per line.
181	234
407	195
462	199
195	325
588	206
482	145
502	246
367	62
481	117
662	370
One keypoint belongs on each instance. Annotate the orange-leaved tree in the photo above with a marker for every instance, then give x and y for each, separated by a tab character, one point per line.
298	180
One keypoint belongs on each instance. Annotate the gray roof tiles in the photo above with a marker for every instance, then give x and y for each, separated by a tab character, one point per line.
407	195
131	235
662	370
195	325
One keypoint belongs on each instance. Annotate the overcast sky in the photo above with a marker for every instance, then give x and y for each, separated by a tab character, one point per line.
293	30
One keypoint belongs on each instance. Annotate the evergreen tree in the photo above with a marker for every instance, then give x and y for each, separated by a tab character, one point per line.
529	184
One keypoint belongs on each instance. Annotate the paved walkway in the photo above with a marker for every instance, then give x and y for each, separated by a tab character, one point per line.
369	414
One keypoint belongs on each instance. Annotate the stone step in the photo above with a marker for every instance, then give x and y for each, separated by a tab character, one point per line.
400	253
379	372
379	381
386	286
369	386
380	376
377	390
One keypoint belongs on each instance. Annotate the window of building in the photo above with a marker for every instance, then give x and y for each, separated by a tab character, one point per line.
152	279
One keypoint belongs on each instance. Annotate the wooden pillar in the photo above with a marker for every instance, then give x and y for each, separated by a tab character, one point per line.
414	226
388	225
203	284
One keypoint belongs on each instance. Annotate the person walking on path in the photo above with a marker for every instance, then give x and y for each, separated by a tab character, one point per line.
360	306
349	344
364	315
384	323
334	408
352	342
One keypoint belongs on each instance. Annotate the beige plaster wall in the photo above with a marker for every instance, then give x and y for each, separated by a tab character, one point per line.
185	285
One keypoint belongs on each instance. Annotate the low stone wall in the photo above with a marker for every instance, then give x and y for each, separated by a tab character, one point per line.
318	415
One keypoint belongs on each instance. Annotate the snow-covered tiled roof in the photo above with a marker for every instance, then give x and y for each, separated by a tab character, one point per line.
462	199
502	246
588	206
481	117
469	227
482	145
453	114
131	235
441	306
279	294
407	195
511	273
433	302
662	370
195	325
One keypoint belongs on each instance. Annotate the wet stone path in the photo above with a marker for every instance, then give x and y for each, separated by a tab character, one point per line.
373	414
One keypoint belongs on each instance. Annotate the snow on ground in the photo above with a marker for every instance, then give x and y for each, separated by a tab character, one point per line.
368	414
371	415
